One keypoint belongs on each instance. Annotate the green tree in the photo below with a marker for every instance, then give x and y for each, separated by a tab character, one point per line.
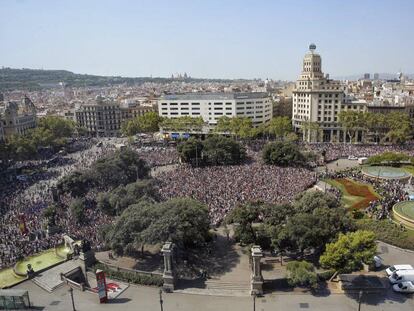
280	127
314	220
244	216
283	154
190	151
182	221
224	125
77	184
50	214
349	251
351	121
149	122
301	273
220	150
77	208
186	123
118	199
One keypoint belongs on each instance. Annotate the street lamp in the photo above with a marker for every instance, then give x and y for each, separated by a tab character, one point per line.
161	300
71	296
360	299
254	300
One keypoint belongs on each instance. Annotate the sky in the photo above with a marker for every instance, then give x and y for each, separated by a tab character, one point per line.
207	38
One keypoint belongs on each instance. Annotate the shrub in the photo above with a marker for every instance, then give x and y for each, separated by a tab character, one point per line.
301	273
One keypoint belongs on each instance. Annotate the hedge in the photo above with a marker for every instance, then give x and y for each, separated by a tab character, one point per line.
131	277
388	232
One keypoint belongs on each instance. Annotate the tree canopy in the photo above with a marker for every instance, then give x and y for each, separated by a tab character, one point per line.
215	150
311	221
283	154
121	168
349	251
51	132
118	199
149	122
394	127
182	221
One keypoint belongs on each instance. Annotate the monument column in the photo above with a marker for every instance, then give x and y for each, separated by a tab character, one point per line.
168	275
257	278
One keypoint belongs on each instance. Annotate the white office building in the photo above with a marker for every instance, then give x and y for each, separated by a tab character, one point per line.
212	106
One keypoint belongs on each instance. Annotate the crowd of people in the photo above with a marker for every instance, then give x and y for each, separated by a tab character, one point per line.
158	156
24	197
224	187
26	190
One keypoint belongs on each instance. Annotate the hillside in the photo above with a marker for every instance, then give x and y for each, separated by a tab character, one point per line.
36	79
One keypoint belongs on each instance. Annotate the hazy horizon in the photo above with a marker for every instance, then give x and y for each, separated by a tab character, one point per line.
206	39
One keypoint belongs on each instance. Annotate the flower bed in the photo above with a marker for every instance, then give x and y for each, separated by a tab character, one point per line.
358	190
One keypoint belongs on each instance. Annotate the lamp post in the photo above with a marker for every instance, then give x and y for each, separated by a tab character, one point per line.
71	296
360	299
254	301
161	301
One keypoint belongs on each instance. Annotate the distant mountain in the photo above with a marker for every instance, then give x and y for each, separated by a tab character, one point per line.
383	76
36	79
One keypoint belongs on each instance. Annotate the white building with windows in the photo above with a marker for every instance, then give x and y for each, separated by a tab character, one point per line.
318	100
212	106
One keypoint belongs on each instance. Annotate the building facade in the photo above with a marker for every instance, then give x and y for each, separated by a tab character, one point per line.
212	106
17	118
317	102
103	117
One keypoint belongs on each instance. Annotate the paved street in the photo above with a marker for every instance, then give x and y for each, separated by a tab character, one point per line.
147	298
394	256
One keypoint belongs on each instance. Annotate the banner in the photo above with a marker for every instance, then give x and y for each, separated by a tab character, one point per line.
101	282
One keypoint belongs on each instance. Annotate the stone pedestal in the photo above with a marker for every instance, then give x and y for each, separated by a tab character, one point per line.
87	259
257	278
168	275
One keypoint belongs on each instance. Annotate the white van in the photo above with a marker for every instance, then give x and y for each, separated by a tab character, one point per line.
391	269
362	160
402	276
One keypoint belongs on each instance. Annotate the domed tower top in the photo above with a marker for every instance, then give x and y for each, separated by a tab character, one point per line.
312	64
312	47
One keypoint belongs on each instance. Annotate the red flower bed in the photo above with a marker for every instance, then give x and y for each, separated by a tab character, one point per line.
360	191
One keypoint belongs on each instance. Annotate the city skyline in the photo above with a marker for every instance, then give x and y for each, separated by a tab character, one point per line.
235	39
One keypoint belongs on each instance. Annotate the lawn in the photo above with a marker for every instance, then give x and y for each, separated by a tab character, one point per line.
354	195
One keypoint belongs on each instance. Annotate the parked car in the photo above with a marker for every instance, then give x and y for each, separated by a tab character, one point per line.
391	269
402	276
352	157
377	262
404	287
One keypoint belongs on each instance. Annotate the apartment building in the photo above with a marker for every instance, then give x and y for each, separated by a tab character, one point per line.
17	118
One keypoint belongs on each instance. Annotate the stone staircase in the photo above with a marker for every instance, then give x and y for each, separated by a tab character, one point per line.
216	287
49	280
